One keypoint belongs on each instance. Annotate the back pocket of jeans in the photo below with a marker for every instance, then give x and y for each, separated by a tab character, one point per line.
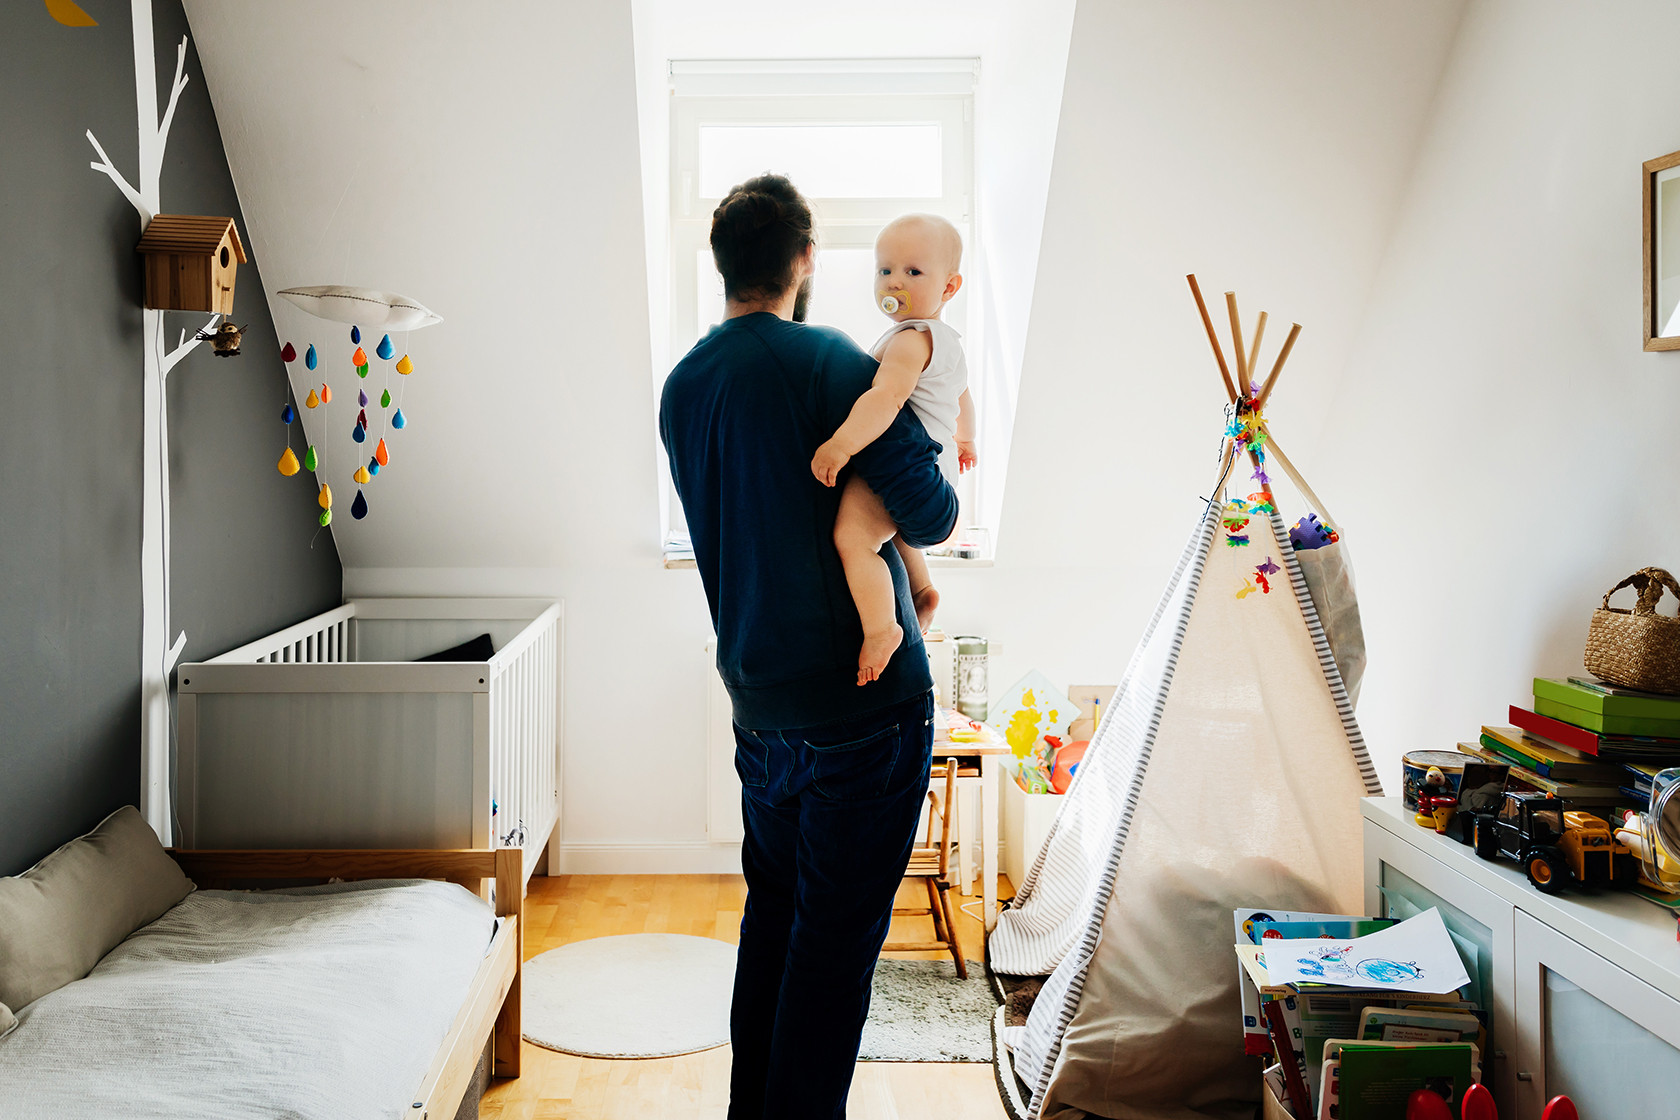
855	768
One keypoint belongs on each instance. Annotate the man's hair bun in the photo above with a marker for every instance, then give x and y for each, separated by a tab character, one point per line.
758	231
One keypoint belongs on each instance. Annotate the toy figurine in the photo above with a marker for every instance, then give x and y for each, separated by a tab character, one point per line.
224	340
1436	803
1658	870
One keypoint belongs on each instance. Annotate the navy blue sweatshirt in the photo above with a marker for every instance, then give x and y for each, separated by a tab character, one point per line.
741	416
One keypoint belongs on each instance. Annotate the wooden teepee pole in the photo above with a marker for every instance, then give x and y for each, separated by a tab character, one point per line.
1237	344
1213	338
1277	367
1254	347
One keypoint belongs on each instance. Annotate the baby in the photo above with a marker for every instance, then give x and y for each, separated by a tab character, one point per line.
917	258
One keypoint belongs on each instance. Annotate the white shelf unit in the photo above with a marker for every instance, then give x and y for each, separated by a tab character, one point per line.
1583	986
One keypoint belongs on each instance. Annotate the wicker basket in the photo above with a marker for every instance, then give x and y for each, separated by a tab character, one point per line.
1638	648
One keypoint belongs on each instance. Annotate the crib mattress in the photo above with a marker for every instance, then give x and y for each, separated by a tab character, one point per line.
324	1002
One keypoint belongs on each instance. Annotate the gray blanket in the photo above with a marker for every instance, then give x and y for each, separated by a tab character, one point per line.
326	1002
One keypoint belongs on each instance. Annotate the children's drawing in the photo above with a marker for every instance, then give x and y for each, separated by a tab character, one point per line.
1416	955
1380	971
1029	710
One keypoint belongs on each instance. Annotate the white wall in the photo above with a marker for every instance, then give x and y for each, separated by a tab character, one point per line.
1263	146
1017	109
1503	449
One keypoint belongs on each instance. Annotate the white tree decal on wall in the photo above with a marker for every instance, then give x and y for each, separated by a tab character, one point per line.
157	654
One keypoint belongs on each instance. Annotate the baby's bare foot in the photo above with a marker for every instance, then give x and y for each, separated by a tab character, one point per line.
927	601
877	651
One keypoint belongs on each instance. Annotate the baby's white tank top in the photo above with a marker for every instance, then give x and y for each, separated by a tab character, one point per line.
935	399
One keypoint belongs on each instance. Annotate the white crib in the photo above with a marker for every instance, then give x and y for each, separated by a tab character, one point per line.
327	734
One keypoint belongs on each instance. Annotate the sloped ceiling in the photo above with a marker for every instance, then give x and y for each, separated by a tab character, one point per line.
483	160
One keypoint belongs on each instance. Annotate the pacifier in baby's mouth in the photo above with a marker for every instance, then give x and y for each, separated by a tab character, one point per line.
894	302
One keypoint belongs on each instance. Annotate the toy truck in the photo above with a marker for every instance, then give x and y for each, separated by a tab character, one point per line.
1553	844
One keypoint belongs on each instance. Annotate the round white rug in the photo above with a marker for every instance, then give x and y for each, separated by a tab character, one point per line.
642	995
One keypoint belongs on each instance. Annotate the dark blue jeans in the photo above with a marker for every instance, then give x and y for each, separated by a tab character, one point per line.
830	819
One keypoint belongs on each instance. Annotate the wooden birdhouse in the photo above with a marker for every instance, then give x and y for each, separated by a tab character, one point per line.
191	262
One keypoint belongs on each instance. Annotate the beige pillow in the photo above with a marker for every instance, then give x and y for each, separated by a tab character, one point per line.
7	1020
61	916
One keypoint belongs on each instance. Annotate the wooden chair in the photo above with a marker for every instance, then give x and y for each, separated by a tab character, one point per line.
931	863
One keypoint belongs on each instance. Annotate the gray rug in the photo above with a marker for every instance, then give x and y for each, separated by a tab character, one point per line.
921	1012
643	995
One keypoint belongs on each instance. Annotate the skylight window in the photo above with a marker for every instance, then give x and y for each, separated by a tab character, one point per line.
898	160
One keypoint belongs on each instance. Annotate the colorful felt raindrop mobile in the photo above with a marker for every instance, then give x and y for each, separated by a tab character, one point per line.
390	417
289	464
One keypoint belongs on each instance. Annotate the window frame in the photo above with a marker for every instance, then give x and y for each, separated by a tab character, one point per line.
828	92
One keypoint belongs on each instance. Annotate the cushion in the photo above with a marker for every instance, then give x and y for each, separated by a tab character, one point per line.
61	916
473	649
7	1020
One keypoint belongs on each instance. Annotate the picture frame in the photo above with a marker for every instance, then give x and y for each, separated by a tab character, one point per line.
1660	200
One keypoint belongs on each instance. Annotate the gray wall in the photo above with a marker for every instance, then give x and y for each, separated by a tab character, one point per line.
246	554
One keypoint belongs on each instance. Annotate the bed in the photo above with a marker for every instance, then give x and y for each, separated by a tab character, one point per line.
331	733
352	999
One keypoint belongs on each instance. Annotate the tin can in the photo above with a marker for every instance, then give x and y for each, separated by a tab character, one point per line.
973	695
1415	764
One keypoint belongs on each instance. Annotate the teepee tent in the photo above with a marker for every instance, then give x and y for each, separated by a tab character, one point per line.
1226	773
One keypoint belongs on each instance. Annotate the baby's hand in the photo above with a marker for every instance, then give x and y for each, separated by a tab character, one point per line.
827	463
966	456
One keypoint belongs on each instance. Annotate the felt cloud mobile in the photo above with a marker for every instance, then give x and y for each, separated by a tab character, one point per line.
383	311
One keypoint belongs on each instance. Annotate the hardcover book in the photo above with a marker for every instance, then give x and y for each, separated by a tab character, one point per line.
1606	724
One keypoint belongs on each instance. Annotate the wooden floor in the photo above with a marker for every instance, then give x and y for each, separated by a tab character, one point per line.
696	1087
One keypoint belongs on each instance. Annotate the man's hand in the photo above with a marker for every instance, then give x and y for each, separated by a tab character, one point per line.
828	462
966	456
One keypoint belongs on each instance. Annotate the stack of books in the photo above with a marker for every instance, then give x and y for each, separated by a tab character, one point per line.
1355	1012
1586	742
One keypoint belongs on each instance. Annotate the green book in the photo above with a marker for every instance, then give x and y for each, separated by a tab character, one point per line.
1607	699
1546	759
1606	724
1375	1081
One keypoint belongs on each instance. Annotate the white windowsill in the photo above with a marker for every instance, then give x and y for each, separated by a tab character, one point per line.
685	562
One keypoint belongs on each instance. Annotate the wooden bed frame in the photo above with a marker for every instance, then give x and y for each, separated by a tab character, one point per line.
490	1013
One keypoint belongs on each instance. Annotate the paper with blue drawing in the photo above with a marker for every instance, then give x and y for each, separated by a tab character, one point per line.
1415	956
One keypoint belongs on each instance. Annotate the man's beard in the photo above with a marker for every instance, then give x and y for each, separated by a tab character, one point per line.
802	301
